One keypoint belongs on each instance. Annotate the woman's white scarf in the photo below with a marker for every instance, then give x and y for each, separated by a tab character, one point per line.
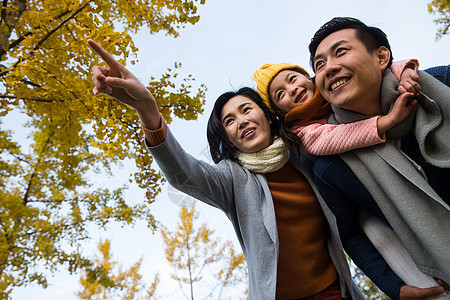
269	159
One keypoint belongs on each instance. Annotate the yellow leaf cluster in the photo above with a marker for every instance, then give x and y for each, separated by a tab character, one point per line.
110	281
442	9
367	287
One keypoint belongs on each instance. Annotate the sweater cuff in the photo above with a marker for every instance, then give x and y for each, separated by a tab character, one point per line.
382	137
413	64
398	67
157	136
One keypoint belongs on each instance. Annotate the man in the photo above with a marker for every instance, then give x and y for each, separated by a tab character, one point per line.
403	182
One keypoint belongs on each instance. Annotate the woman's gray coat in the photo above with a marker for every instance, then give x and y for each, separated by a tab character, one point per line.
245	198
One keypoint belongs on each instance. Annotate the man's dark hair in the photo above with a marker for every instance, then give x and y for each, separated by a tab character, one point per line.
371	37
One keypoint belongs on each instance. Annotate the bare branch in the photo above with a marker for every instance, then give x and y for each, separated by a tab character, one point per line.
17	157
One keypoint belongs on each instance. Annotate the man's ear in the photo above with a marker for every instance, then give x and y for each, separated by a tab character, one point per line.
384	56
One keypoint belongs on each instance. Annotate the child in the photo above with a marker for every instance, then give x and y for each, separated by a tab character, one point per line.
288	90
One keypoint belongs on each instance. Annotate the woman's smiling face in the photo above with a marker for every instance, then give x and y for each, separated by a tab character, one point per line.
246	125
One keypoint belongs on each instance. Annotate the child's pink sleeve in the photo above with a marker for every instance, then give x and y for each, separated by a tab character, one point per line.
397	67
319	138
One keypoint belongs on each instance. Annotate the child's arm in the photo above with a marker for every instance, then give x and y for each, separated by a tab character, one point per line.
320	138
401	109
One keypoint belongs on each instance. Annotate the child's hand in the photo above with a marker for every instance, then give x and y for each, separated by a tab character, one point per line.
409	292
399	112
402	107
409	82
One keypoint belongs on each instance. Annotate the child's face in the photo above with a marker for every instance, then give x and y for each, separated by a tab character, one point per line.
289	89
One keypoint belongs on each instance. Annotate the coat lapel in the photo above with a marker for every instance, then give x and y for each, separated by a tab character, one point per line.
268	210
408	169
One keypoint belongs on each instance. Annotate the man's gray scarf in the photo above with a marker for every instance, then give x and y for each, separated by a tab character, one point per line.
419	217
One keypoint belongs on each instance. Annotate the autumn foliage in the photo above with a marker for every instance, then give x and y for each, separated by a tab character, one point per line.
116	282
204	267
47	200
441	8
367	287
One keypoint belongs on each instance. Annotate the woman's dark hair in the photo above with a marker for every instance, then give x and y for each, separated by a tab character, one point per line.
220	146
371	37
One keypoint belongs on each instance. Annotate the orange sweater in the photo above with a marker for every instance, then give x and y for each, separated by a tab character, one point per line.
304	264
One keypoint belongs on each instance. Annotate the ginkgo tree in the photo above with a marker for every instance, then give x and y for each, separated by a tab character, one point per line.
202	265
46	199
441	8
116	282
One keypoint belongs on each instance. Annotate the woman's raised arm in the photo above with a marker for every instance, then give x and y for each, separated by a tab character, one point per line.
122	85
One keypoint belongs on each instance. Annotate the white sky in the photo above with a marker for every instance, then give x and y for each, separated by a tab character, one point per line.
232	39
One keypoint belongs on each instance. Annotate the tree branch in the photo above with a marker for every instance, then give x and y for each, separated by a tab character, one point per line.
47	200
46	37
4	4
49	34
30	83
30	182
171	106
57	201
445	30
10	22
18	157
16	42
135	131
31	98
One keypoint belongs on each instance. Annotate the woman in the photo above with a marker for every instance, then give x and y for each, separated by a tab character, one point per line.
273	204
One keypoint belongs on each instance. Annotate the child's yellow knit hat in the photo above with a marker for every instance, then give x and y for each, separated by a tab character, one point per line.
266	73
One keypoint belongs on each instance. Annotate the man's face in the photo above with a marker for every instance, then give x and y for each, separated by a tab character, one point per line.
347	75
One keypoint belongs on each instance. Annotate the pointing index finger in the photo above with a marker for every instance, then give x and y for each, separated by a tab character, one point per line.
106	56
